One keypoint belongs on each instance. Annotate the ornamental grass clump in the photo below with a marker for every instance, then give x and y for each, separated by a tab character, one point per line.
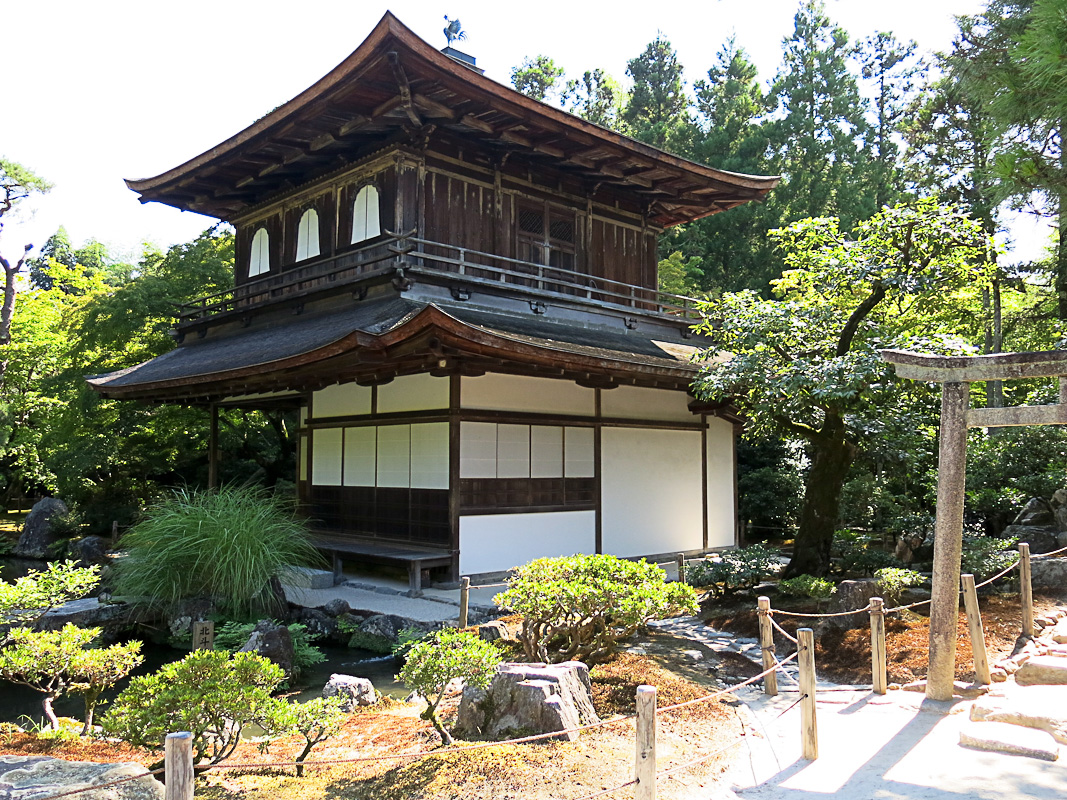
580	607
226	544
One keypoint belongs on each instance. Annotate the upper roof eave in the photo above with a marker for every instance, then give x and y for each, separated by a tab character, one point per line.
391	31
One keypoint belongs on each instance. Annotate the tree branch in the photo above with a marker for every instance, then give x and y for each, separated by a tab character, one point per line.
848	333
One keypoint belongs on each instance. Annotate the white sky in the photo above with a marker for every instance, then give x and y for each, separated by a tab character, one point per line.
95	92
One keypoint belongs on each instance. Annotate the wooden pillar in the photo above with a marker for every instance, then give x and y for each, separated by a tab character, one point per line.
809	733
878	668
1026	590
178	766
948	540
464	600
766	641
975	630
645	766
213	449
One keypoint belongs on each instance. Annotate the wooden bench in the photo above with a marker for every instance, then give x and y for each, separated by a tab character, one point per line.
376	551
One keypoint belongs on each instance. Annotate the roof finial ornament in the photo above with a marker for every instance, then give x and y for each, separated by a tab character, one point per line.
454	31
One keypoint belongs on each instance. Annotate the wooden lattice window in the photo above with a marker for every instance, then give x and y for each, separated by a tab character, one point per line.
545	236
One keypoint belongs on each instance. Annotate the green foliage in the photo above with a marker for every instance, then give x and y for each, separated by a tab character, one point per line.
1006	469
30	596
579	607
55	662
596	98
658	110
316	720
441	657
807	586
861	553
232	636
769	486
733	570
536	77
406	638
226	544
985	556
209	693
892	581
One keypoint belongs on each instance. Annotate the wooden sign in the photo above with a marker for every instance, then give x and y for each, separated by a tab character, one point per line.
204	635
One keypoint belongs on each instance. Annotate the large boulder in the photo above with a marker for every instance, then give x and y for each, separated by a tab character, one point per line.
852	595
90	551
40	776
38	534
1040	539
180	617
352	690
319	624
1048	573
1037	512
272	641
529	698
89	612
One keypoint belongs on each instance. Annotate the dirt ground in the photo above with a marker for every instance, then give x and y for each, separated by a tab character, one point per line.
598	760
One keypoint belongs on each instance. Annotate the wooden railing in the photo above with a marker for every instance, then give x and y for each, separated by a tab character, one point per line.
421	255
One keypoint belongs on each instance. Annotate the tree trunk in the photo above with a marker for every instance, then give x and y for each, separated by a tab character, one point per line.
832	455
49	712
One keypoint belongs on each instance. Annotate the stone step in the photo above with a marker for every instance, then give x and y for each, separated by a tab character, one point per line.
1000	737
1041	707
1043	670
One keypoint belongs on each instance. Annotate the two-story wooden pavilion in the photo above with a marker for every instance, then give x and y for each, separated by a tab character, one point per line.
456	285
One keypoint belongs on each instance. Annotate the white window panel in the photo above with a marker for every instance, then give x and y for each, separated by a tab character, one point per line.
259	258
361	458
513	451
326	457
341	400
394	456
546	451
578	453
477	450
366	219
429	456
307	235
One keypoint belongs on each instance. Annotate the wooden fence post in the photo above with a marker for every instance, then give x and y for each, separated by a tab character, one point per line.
878	676
974	628
464	600
766	643
178	766
1026	590
809	735
680	560
645	765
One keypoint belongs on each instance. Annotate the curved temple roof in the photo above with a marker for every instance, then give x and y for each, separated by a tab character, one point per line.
397	88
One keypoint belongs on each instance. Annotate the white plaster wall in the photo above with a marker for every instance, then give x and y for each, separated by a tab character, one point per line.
413	393
721	512
498	542
639	402
361	456
326	456
429	455
341	400
394	455
523	393
651	491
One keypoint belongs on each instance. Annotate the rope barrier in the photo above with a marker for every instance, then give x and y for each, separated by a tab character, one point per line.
97	786
782	630
603	792
1040	556
731	690
822	616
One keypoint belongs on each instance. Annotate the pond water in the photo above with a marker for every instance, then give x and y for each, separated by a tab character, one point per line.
20	702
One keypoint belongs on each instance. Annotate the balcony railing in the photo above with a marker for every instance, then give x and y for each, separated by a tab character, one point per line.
422	256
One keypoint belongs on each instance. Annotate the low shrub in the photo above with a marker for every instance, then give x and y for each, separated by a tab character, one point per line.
232	636
861	553
807	586
30	596
892	582
734	570
579	607
209	693
316	720
406	638
985	556
225	544
442	657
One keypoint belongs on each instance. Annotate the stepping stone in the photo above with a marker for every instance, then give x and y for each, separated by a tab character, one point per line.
1044	670
1000	737
1040	707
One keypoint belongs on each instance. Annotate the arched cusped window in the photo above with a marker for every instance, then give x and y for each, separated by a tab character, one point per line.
307	235
259	259
366	223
